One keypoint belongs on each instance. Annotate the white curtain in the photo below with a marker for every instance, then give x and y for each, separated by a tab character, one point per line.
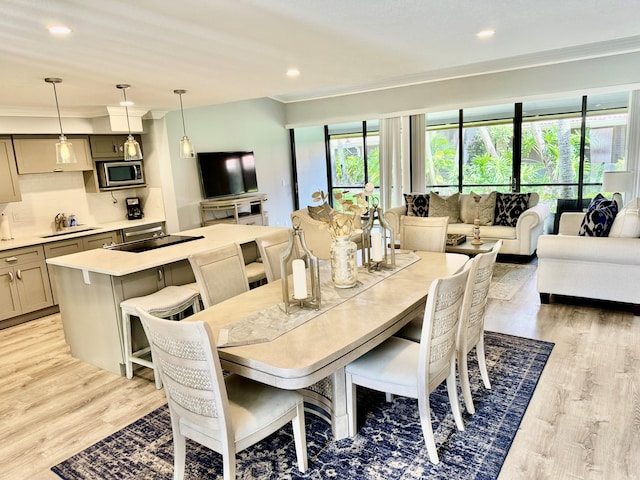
633	142
390	162
418	173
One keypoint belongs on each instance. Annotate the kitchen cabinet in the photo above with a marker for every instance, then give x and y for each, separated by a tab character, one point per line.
37	154
75	245
109	147
9	186
24	281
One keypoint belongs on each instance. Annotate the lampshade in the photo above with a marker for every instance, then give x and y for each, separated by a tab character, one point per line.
617	181
64	148
186	147
132	150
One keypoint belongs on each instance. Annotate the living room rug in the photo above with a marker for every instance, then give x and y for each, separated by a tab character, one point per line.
508	278
389	444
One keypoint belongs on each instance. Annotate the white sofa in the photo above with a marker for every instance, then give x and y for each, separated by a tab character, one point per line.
519	240
602	268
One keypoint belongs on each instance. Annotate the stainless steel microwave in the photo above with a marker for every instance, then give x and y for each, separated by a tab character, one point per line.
120	174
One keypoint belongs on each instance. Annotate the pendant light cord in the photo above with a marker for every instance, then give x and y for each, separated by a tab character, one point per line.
55	94
126	109
184	128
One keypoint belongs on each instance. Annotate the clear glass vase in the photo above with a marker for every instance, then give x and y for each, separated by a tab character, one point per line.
344	264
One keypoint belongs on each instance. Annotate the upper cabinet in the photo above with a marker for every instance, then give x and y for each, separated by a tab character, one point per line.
9	186
109	147
37	154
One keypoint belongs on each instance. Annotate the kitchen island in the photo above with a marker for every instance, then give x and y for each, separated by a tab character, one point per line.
92	284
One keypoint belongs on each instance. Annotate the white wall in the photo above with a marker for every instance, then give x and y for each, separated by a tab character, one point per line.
254	125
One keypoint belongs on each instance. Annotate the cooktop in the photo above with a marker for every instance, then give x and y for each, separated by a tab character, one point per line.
146	244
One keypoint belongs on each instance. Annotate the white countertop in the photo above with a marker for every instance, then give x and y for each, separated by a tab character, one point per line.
102	228
119	263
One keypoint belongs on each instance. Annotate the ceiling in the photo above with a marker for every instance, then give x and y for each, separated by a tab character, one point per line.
228	50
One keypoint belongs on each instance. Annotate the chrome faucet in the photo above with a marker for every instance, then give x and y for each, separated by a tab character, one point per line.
60	221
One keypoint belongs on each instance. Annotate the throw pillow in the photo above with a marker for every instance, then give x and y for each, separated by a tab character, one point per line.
626	224
445	206
599	218
417	204
509	207
486	207
322	212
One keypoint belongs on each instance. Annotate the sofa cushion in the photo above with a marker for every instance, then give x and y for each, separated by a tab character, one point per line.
417	204
487	207
445	206
626	224
322	212
598	219
509	207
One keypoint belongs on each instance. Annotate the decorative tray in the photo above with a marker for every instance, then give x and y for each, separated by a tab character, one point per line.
454	239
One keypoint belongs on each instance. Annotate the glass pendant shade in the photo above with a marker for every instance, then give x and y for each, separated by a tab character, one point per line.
64	148
65	152
186	147
132	150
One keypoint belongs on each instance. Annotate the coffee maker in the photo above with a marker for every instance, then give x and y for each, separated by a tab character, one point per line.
134	210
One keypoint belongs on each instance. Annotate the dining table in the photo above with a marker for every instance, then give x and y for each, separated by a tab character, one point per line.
311	356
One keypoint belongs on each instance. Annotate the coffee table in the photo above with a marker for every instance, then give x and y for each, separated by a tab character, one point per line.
468	248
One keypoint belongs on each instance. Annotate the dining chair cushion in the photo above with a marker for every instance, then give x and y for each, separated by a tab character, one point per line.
253	406
394	362
163	303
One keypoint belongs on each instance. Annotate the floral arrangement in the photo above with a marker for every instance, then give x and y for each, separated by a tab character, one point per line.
340	220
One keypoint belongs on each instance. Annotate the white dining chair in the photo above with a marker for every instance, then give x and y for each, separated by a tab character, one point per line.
428	234
225	414
220	273
471	332
403	367
271	247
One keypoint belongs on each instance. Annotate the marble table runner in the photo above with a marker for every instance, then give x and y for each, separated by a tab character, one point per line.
269	324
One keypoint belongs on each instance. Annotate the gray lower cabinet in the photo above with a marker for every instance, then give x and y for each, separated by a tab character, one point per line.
75	245
24	282
90	306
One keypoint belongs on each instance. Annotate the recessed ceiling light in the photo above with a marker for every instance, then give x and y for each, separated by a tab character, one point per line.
59	30
128	103
488	33
293	72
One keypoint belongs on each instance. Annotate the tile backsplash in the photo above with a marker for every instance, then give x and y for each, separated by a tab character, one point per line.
44	195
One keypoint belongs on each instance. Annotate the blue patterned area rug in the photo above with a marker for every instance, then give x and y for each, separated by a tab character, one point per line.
388	446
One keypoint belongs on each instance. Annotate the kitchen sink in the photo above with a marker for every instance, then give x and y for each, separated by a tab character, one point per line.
68	230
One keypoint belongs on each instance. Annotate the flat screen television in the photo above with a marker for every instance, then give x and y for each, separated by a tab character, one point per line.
227	173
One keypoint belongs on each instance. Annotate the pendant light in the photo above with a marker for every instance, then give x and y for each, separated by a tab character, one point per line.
64	148
132	149
186	147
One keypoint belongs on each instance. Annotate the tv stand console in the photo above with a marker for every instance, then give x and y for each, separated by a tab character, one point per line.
245	210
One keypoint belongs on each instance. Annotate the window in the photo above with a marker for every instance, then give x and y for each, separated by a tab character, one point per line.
354	156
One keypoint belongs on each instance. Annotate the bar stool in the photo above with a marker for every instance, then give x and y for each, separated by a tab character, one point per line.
166	303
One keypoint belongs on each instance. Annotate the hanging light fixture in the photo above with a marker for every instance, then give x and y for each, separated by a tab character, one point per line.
186	147
64	148
132	150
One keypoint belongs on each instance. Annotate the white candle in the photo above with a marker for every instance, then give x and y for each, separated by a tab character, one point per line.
376	246
299	279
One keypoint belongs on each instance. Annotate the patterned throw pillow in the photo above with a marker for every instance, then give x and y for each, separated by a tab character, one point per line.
509	207
417	204
599	218
486	208
445	206
322	212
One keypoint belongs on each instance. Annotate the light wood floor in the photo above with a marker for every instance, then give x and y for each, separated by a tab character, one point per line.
582	423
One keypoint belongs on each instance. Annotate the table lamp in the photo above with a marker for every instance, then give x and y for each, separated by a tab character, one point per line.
618	183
